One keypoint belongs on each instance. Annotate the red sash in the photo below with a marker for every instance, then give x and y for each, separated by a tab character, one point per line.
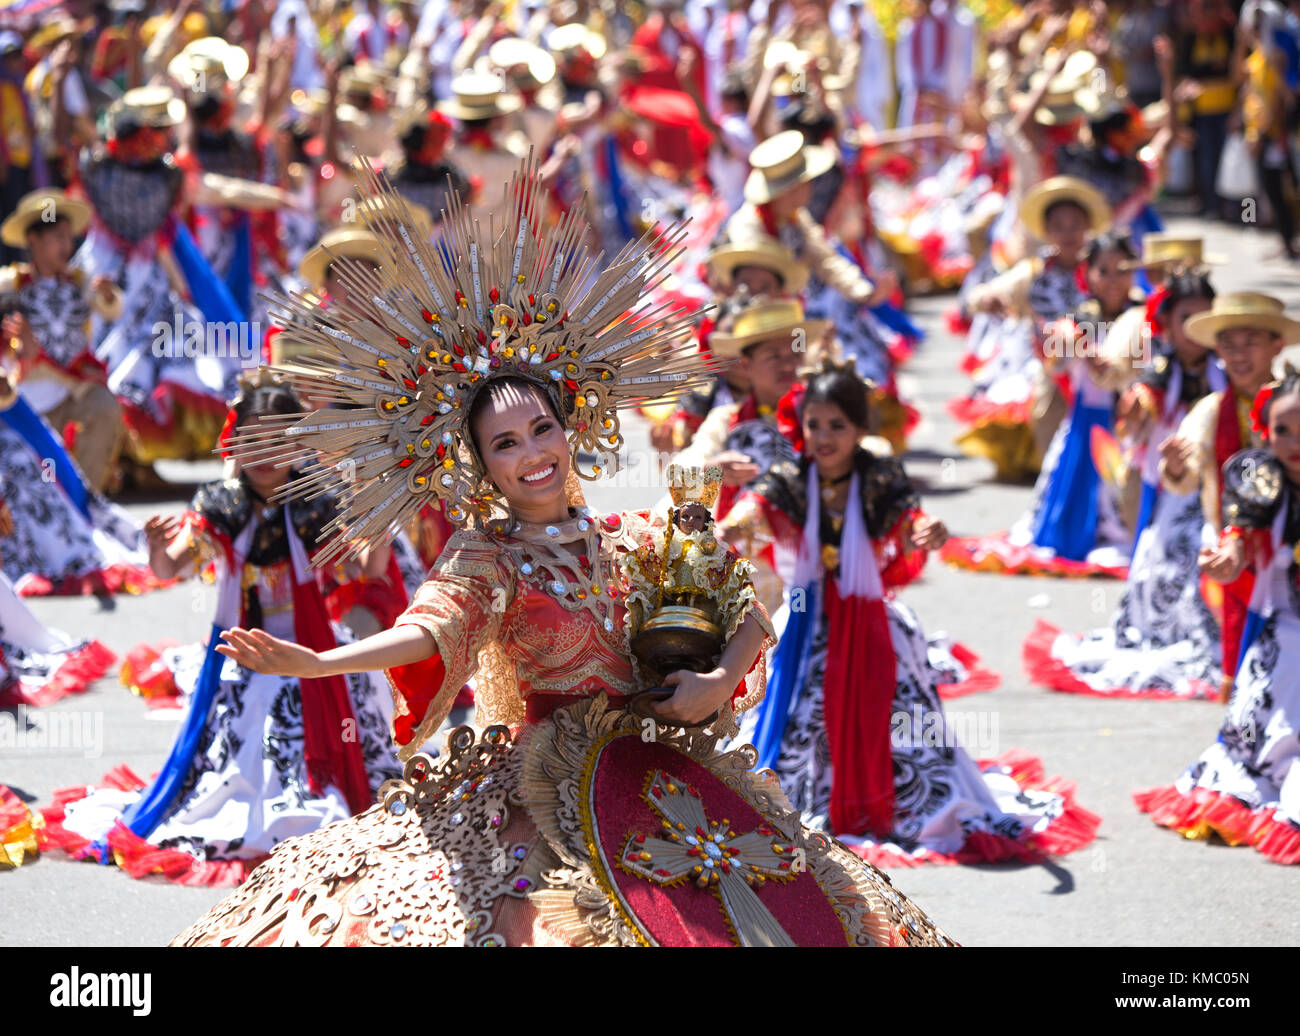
858	693
1229	437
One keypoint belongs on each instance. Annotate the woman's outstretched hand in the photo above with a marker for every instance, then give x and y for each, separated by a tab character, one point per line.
263	653
696	696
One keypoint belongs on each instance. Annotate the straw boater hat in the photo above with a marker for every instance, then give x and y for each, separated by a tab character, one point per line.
782	162
52	34
156	106
363	81
766	320
576	36
341	243
1243	309
32	209
478	96
1173	250
1042	196
1060	105
209	61
785	54
512	52
765	252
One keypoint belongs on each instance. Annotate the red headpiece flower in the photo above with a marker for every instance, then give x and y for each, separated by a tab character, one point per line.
1258	417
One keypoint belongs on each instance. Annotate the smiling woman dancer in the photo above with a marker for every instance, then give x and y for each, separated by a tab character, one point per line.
586	815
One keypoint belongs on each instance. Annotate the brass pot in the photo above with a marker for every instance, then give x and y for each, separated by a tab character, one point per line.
678	637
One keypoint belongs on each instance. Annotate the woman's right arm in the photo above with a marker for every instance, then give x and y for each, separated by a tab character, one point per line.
263	653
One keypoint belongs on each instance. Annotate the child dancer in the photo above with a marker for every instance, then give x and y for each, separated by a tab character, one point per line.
1073	526
852	722
1163	641
1245	787
258	758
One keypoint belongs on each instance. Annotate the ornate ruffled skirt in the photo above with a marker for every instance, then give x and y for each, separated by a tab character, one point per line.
592	827
1245	788
1163	641
948	807
57	547
1072	527
243	788
39	665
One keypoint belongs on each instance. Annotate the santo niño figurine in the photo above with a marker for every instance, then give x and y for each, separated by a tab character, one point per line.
691	593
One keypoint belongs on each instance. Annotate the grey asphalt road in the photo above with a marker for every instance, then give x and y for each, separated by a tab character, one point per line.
1136	885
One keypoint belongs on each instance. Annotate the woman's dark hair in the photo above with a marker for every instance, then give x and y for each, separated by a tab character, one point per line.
263	401
1110	242
1190	284
496	387
843	388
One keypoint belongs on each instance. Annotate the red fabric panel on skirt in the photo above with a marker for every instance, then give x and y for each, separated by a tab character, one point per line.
858	690
331	741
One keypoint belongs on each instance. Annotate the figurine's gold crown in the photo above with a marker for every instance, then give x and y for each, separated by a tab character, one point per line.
694	485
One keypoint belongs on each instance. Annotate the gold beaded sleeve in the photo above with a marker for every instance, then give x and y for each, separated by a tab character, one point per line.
461	605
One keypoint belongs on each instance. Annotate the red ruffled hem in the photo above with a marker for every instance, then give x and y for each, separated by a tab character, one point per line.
976	412
131	853
956	321
995	554
79	670
978	679
901	349
116	579
1044	669
1073	829
1202	813
145	674
18	830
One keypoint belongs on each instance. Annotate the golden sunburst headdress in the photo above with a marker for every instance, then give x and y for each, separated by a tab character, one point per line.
400	367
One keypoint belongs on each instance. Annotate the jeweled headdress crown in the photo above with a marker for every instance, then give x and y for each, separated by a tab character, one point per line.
694	485
401	365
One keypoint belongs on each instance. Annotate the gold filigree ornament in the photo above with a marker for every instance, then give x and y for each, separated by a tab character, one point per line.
502	840
399	367
584	901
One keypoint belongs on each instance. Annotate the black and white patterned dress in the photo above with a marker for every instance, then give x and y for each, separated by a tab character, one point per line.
247	788
942	796
1246	786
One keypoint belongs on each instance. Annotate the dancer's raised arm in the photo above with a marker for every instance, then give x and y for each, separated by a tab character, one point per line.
263	653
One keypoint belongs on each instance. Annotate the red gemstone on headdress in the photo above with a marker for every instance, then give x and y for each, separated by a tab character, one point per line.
408	382
460	296
404	342
440	452
428	317
457	349
525	319
482	338
459	367
532	300
494	295
426	420
421	370
405	462
552	356
570	384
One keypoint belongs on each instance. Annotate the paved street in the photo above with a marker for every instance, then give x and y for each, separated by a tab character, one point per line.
1138	884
